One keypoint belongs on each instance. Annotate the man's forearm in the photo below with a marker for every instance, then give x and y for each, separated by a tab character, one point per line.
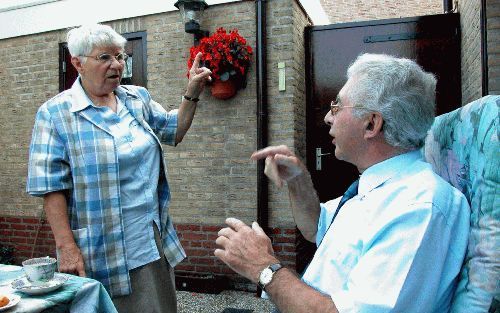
291	295
56	209
305	205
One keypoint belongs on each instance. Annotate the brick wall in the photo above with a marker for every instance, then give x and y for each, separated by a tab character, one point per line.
198	241
341	11
32	237
471	49
493	45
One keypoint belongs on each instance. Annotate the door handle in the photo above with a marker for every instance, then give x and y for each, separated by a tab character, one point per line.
319	154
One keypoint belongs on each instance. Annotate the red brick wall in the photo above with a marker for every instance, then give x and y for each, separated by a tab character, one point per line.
21	233
199	243
197	240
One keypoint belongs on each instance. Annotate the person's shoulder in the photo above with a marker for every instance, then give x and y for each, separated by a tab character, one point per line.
59	102
137	91
433	188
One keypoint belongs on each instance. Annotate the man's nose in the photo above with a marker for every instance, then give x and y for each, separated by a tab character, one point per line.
328	119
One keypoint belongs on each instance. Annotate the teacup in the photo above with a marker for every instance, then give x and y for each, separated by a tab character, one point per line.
40	270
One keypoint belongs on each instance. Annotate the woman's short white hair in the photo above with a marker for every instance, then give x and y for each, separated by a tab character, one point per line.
400	90
82	40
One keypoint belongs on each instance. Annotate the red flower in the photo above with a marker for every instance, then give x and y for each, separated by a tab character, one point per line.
227	55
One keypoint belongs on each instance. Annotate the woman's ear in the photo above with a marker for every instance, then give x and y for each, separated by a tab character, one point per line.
77	63
373	124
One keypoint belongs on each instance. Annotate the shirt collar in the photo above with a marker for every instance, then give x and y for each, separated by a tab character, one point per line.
82	101
381	172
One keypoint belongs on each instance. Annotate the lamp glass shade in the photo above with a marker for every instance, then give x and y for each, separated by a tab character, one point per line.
191	11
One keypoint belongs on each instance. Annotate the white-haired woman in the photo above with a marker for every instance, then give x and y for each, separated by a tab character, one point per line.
96	159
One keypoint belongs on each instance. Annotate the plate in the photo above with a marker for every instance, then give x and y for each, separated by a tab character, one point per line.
24	285
13	300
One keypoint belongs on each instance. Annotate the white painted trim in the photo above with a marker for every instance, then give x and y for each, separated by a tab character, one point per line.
9	5
315	11
62	14
26	17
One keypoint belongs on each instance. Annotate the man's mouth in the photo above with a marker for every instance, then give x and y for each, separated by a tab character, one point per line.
114	76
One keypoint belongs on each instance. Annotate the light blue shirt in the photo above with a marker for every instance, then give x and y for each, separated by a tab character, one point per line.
397	246
139	160
72	149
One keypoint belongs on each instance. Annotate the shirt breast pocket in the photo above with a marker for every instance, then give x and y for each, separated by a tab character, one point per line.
138	131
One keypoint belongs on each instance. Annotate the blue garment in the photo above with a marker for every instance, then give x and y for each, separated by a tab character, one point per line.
463	147
139	160
72	149
397	246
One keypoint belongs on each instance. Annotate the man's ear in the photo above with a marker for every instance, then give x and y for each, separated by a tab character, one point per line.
373	123
77	63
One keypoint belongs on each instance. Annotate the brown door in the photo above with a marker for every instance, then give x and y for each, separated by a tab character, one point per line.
433	41
135	70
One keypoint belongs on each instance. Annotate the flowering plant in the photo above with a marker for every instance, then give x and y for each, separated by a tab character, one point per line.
227	55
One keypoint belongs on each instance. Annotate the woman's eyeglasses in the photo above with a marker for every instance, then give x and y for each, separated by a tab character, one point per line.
108	58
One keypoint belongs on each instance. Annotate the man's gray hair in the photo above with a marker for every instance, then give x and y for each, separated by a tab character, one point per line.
400	90
82	40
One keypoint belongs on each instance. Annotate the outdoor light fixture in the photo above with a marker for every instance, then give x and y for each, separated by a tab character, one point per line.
192	12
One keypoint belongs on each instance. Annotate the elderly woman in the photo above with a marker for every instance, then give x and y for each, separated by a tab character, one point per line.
97	161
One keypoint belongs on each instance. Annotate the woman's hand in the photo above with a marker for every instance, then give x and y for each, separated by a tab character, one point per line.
71	260
198	77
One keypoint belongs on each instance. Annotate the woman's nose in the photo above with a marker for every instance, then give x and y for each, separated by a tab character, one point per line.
115	63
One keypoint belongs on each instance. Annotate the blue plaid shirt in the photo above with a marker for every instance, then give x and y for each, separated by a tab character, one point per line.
72	149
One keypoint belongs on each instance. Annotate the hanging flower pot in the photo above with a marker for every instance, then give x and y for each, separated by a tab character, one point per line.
223	89
228	56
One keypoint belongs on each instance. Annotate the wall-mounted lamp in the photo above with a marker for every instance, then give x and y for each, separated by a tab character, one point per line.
192	12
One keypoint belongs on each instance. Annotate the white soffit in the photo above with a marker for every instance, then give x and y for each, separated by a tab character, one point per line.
26	17
315	11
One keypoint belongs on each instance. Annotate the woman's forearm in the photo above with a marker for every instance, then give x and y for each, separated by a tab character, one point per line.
184	119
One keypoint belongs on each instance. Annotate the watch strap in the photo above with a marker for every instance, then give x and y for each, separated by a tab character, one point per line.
191	99
274	268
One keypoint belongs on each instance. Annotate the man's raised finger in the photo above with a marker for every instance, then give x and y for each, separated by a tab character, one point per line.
270	151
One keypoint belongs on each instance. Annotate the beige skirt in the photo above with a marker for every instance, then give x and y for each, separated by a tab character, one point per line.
153	287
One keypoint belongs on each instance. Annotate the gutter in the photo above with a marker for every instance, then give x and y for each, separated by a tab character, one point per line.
262	113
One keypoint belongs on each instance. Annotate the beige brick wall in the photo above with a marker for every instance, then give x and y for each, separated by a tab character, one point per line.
471	49
286	108
210	173
342	11
28	77
493	45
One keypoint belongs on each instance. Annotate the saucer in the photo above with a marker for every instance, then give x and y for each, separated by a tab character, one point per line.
24	285
13	300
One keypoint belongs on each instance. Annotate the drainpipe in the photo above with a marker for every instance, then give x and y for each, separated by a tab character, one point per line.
262	127
448	6
484	50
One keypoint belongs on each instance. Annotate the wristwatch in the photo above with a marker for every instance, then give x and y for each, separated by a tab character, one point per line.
266	276
191	99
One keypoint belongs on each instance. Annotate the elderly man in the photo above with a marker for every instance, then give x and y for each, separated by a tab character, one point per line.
396	240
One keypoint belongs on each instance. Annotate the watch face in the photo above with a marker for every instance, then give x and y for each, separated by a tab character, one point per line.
266	276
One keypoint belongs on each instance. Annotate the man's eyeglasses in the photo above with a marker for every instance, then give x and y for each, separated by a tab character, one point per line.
108	58
335	106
